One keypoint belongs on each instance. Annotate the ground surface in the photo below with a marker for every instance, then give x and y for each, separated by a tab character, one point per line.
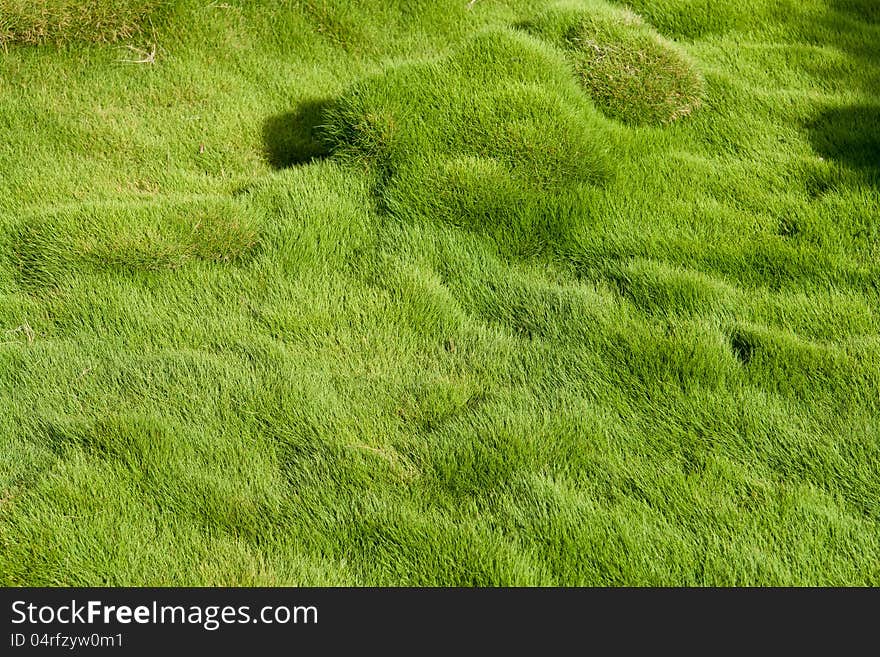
417	292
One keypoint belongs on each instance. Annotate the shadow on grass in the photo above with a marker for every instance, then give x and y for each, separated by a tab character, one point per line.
851	136
866	10
293	138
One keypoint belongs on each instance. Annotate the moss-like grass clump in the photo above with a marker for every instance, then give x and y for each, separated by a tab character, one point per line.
496	137
65	21
631	72
50	247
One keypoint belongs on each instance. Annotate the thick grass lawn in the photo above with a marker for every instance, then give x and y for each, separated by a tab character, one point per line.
438	292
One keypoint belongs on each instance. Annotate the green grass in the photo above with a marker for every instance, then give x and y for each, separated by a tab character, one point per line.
70	21
630	71
503	143
402	292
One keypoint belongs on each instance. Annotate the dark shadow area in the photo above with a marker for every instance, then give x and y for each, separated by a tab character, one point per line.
294	137
866	10
853	27
743	348
850	136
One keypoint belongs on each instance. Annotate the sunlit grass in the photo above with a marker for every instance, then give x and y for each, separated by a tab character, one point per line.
387	292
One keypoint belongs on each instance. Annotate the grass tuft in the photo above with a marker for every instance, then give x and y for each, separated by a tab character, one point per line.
144	238
631	72
64	21
496	137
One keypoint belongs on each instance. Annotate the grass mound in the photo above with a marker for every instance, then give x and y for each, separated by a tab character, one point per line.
63	21
497	137
632	73
143	238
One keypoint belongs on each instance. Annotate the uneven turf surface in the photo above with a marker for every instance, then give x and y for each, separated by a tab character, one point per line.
412	292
